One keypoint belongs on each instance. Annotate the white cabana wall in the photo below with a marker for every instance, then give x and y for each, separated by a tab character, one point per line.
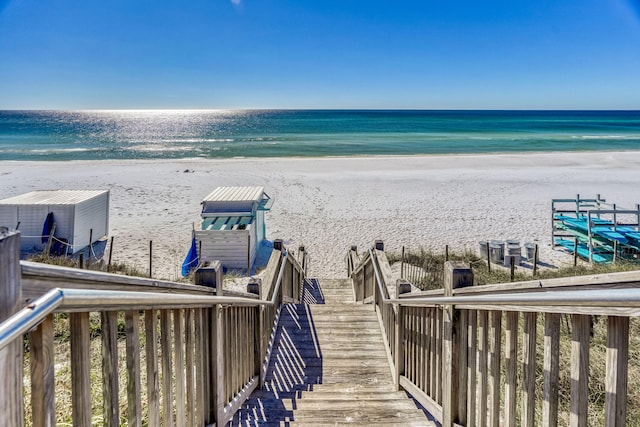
79	215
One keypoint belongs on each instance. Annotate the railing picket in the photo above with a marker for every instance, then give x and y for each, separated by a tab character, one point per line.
417	336
494	367
80	366
432	354
421	347
199	357
426	345
230	353
529	370
462	363
178	337
167	392
438	373
234	312
219	361
412	345
132	326
580	324
399	350
42	374
244	354
511	368
483	339
209	365
111	412
472	337
189	367
151	355
617	363
551	369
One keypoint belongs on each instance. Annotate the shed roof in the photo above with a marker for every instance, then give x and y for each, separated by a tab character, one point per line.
236	194
53	197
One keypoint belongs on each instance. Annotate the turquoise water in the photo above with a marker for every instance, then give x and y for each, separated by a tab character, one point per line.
68	135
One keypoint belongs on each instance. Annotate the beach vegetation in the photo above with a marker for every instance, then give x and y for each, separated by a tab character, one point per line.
91	264
424	268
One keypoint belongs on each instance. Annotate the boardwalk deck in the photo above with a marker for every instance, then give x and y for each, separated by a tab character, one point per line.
329	367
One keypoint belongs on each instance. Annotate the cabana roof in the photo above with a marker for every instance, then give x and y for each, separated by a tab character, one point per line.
234	199
235	194
53	197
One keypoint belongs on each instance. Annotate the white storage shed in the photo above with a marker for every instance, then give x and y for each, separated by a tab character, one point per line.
232	226
78	215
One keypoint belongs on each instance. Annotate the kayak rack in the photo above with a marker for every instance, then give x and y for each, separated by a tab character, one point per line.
595	230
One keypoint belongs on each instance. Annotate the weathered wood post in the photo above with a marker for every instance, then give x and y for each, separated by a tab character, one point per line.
248	255
11	399
255	286
110	254
150	258
488	259
454	351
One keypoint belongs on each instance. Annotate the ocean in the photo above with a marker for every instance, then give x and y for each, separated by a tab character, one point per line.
178	134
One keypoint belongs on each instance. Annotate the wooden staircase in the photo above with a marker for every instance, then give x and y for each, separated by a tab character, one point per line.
329	367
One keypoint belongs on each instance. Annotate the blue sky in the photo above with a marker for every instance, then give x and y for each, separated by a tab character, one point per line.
432	54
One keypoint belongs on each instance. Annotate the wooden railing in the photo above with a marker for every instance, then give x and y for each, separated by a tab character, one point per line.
490	355
191	358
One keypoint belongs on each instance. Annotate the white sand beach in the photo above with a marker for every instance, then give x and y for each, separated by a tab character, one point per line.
328	204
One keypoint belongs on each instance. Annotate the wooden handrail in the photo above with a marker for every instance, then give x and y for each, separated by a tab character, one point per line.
208	348
446	345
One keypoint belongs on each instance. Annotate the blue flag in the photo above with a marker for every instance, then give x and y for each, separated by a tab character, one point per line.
191	260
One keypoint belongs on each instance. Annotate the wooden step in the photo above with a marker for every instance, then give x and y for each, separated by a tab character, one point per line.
343	334
345	395
354	389
334	357
339	374
329	366
386	413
